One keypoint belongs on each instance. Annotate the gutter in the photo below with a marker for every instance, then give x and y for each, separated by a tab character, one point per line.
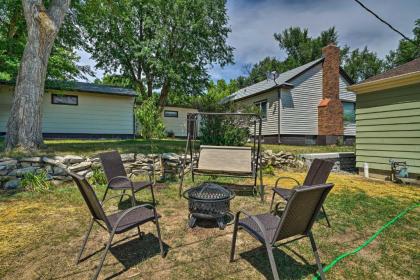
386	83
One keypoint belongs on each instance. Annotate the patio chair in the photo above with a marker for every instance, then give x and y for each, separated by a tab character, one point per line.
117	177
115	223
296	221
318	174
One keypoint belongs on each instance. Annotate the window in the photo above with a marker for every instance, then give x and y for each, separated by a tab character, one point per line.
349	112
262	107
63	99
170	114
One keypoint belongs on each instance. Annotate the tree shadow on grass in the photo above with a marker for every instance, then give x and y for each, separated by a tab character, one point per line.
287	267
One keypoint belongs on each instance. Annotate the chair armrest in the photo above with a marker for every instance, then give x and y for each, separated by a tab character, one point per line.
285	177
114	196
119	178
256	220
132	209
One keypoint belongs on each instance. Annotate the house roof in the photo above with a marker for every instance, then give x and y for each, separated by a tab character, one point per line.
84	87
403	75
406	68
267	85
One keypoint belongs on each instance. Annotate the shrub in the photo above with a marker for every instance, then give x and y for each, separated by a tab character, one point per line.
36	182
98	177
150	120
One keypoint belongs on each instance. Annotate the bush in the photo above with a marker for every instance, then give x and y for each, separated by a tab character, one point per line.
150	120
98	177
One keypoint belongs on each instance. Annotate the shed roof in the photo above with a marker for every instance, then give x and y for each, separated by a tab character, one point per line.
406	68
84	87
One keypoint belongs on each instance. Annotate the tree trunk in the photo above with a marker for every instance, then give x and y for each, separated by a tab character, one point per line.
164	94
24	128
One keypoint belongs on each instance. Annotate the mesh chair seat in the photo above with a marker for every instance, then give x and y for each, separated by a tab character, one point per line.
284	193
122	184
269	221
133	219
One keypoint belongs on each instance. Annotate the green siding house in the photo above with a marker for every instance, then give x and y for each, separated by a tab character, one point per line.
388	120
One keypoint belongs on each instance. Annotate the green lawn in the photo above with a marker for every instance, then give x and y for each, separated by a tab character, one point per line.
90	147
40	234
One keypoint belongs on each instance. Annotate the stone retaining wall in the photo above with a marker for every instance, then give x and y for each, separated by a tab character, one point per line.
12	170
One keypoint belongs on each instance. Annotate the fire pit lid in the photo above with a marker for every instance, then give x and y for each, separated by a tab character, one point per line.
209	191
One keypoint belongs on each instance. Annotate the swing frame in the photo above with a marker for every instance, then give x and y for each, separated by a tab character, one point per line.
190	149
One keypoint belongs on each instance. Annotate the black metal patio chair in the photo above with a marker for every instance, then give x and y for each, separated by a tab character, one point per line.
318	174
117	177
115	223
297	220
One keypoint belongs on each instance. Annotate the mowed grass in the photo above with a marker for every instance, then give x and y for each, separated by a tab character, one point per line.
91	147
41	233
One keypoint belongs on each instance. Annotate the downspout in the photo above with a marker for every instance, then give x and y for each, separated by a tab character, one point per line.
279	116
134	118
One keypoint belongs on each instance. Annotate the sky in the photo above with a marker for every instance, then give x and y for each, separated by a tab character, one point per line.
253	23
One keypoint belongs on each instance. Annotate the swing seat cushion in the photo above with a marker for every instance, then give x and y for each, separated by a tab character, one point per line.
229	160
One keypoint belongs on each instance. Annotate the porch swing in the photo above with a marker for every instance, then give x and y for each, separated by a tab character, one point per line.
224	161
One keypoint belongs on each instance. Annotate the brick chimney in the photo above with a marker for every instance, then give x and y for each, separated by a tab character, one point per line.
330	109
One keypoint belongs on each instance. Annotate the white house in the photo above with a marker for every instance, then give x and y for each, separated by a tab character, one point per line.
175	120
79	110
306	105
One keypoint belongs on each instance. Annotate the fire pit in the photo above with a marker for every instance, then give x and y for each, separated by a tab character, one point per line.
209	201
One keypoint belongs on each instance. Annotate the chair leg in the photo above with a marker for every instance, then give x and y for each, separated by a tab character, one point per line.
162	253
272	201
85	241
315	251
153	196
133	198
101	263
122	195
326	216
235	234
106	191
272	262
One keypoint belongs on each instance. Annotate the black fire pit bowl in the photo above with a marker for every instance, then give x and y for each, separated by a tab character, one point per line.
209	201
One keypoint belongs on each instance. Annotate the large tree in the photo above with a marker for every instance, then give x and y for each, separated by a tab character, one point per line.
63	62
161	45
42	24
407	50
362	64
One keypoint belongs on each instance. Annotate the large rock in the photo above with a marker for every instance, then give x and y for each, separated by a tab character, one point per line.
49	160
71	159
128	157
31	159
57	171
170	156
80	166
12	163
12	184
3	170
22	171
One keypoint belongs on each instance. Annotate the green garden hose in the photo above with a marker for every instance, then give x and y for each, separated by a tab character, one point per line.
396	218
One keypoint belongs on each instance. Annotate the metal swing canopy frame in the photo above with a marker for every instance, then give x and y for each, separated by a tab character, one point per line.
225	161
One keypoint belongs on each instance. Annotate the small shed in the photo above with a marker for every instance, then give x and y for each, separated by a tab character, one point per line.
175	120
388	120
73	109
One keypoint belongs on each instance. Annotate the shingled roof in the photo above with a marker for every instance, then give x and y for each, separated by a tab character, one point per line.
84	87
267	85
409	67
